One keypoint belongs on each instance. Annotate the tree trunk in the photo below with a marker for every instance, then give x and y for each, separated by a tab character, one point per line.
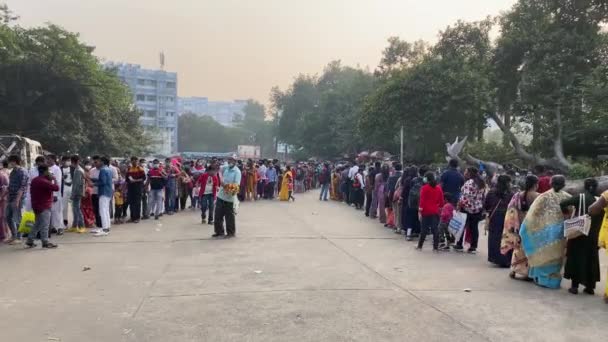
536	132
480	128
507	122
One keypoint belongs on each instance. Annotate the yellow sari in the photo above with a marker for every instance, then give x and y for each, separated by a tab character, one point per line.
284	194
603	239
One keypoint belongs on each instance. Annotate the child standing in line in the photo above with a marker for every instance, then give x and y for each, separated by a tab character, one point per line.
447	212
119	202
431	202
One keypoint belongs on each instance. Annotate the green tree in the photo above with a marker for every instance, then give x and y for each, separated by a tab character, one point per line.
545	57
54	90
260	128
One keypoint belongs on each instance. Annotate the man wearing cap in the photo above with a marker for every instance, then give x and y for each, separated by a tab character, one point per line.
224	207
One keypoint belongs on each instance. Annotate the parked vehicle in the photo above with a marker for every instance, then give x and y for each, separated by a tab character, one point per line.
27	149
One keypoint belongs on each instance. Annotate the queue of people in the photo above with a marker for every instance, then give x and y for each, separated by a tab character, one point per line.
524	218
34	202
103	192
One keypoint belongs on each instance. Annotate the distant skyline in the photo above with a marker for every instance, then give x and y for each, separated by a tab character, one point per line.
239	49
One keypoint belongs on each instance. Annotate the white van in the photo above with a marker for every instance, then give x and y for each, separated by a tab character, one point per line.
27	149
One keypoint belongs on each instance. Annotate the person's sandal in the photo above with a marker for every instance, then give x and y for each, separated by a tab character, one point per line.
31	244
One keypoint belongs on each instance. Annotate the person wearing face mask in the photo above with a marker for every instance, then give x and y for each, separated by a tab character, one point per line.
170	187
156	182
66	190
224	207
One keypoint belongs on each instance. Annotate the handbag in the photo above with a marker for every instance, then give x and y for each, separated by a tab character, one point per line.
457	224
580	225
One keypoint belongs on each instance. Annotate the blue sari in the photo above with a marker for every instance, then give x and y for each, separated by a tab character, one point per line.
542	239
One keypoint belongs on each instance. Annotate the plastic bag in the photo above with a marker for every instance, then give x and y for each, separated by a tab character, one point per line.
27	222
457	224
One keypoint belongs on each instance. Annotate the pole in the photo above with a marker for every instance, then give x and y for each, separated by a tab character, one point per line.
401	145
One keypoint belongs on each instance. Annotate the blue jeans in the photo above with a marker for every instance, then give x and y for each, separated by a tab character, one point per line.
170	197
13	218
207	203
324	191
77	213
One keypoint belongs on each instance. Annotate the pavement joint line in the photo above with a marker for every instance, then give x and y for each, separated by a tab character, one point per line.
221	293
240	238
149	290
396	284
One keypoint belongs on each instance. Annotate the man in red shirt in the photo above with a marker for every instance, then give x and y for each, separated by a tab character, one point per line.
136	175
41	191
208	183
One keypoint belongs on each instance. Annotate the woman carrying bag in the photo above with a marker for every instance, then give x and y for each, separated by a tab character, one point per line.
582	257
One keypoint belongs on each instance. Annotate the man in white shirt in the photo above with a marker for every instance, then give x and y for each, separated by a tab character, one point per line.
66	171
352	172
261	179
57	208
32	173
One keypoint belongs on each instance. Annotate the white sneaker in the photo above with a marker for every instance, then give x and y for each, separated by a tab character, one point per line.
102	233
95	231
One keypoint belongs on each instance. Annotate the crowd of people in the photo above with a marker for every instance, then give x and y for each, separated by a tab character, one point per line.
102	192
524	215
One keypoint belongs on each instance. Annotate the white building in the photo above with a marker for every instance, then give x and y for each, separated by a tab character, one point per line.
155	95
223	112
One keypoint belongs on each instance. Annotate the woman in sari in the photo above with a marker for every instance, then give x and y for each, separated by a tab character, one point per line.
511	241
287	177
252	181
243	185
86	204
598	208
495	205
335	185
542	235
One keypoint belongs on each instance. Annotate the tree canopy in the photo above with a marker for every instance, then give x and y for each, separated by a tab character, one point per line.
545	75
54	90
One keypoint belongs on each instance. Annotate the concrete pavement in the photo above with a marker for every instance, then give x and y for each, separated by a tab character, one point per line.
303	271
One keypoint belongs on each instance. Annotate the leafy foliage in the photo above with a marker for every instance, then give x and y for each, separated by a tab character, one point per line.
545	75
321	114
204	134
53	89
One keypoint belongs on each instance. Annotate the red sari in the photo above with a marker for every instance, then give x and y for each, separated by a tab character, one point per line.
86	206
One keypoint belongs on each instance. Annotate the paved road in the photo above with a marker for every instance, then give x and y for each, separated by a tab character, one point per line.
303	271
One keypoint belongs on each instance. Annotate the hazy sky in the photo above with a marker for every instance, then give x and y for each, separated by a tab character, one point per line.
228	49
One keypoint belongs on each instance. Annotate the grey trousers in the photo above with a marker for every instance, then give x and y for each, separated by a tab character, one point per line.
155	202
41	225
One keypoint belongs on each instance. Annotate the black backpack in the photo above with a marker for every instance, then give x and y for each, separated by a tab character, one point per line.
413	199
